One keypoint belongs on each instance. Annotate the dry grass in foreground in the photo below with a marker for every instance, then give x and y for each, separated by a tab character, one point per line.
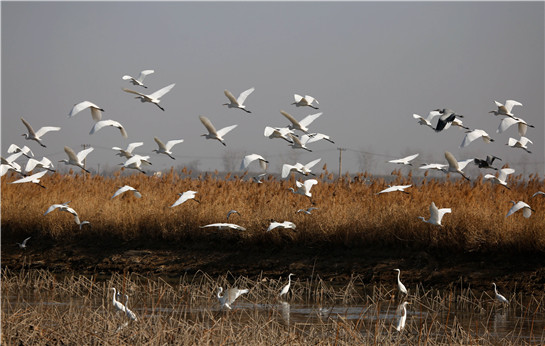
349	212
41	309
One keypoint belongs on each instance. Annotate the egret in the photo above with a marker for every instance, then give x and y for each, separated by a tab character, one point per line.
140	80
285	225
507	122
131	315
436	215
297	143
306	211
473	135
165	148
300	125
24	150
10	164
487	163
299	167
34	178
100	124
526	209
400	188
212	133
128	152
457	122
400	285
505	109
426	121
126	188
136	161
307	101
521	143
314	137
251	158
238	103
286	288
436	166
454	166
231	212
44	163
403	317
184	197
406	160
304	188
257	178
152	98
23	244
77	160
539	193
117	305
502	176
231	294
447	116
96	111
64	207
499	297
36	136
278	132
225	226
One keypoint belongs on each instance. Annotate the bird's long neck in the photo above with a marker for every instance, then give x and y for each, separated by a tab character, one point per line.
113	297
398	274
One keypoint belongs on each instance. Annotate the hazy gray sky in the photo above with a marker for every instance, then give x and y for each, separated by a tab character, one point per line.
370	65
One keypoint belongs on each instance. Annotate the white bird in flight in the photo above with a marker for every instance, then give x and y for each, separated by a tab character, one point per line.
297	143
502	176
400	188
521	143
184	197
225	226
526	209
125	189
505	109
285	225
406	160
436	215
231	294
36	135
23	244
152	98
257	178
304	188
212	133
303	124
251	158
96	111
446	118
539	193
455	166
165	148
403	316
76	160
426	121
473	135
136	161
400	285
286	288
314	137
44	163
299	167
306	101
64	207
34	178
128	152
239	102
499	297
10	164
140	80
507	122
278	132
100	124
306	211
24	150
231	212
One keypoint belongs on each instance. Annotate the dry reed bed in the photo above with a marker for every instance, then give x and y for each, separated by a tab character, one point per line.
349	211
39	308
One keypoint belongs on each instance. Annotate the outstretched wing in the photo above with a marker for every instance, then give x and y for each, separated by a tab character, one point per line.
230	96
225	130
143	75
134	92
208	124
159	93
451	160
82	154
290	118
29	128
243	95
309	119
172	143
160	143
46	129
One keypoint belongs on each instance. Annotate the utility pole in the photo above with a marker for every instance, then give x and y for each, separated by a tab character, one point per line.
340	161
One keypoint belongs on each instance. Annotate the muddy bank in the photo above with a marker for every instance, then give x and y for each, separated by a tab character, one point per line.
432	268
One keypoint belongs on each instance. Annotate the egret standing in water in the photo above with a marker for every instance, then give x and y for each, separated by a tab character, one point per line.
286	288
499	297
400	285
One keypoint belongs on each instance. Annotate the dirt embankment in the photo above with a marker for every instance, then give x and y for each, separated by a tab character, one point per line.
433	269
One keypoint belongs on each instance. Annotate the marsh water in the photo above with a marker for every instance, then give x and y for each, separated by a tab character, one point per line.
522	320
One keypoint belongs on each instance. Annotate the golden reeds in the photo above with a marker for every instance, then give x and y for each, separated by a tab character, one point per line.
349	211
